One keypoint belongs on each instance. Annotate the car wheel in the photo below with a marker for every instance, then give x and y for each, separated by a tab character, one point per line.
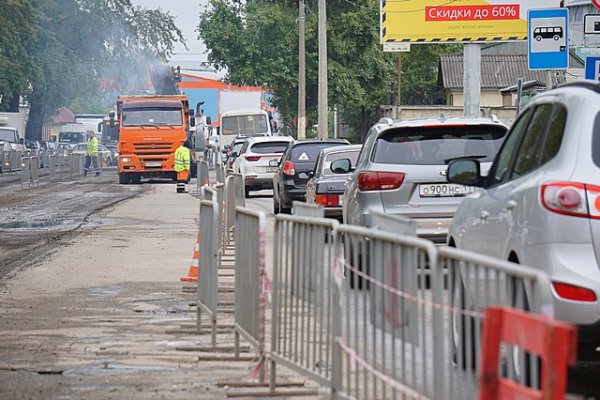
556	37
123	178
538	38
521	363
275	203
460	326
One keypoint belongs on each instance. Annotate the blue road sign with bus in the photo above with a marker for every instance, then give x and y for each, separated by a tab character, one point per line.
592	68
548	38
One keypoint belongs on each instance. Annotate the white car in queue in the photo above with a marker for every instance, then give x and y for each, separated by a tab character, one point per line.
253	159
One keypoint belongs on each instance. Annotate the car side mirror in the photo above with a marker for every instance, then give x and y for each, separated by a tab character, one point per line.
191	112
273	163
341	166
465	172
208	120
234	154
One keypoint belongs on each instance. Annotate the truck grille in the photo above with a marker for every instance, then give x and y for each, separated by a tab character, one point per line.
153	148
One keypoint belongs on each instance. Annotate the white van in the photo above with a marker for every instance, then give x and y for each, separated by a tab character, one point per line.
246	122
72	134
11	149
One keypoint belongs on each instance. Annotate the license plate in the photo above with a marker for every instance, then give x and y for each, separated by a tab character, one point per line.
153	164
444	190
271	170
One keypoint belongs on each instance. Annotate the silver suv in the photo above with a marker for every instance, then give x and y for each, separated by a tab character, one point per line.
402	170
539	205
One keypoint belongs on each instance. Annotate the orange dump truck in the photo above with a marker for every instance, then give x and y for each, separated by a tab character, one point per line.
152	127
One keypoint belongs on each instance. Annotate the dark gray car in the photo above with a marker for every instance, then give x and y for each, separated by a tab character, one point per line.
298	161
326	188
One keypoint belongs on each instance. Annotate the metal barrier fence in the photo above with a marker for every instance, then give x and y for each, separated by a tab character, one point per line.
208	263
301	314
25	172
233	198
250	283
406	315
35	171
221	173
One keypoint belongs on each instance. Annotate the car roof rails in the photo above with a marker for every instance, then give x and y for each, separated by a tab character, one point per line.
586	84
386	121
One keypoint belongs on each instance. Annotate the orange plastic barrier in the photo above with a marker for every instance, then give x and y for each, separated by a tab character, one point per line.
554	342
192	275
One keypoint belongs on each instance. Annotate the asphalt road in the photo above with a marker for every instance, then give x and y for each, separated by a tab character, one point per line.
89	285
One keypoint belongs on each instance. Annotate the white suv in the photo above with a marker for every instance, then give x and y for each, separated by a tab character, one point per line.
539	205
253	161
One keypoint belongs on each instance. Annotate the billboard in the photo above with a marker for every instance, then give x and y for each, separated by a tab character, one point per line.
458	21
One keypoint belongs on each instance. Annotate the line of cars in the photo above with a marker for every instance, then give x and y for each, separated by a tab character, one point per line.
529	194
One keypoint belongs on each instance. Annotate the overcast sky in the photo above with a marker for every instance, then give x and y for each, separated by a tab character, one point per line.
186	14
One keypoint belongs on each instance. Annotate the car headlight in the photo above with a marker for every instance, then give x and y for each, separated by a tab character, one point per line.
126	159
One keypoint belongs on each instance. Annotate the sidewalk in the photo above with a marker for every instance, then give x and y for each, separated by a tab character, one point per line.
89	321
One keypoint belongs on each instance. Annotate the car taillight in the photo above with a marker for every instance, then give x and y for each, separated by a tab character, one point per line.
373	180
571	198
288	168
252	158
572	292
327	199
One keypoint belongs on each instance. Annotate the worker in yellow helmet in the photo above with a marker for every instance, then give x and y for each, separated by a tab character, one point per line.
182	166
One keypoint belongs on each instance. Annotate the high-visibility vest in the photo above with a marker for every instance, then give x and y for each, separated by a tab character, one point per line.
182	159
91	149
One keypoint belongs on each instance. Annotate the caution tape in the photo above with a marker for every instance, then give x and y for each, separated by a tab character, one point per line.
400	293
356	359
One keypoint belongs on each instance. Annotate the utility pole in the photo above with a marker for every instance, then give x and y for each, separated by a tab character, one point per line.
301	73
323	131
472	79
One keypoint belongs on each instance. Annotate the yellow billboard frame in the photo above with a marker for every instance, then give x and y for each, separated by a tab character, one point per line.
457	21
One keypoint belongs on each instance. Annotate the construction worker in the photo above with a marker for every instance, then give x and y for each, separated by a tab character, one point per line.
91	153
182	166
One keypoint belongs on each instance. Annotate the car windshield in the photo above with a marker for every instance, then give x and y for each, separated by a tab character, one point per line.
7	135
244	124
435	145
152	116
308	152
351	155
269	148
72	137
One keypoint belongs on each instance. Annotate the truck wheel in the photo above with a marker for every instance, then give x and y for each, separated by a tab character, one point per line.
136	179
123	178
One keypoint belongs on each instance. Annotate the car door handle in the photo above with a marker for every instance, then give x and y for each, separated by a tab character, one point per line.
511	204
484	215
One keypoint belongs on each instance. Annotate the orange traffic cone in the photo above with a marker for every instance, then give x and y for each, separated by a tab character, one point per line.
192	275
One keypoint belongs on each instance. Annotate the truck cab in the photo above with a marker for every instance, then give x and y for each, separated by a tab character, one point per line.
151	128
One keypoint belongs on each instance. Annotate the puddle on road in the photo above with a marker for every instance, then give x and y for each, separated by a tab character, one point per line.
106	291
113	369
34	224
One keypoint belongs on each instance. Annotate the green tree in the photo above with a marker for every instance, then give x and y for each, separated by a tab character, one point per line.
257	41
17	29
76	42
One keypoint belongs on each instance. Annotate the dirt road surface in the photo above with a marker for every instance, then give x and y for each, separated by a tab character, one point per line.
90	286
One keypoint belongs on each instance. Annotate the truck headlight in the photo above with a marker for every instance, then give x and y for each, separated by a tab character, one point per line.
126	159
